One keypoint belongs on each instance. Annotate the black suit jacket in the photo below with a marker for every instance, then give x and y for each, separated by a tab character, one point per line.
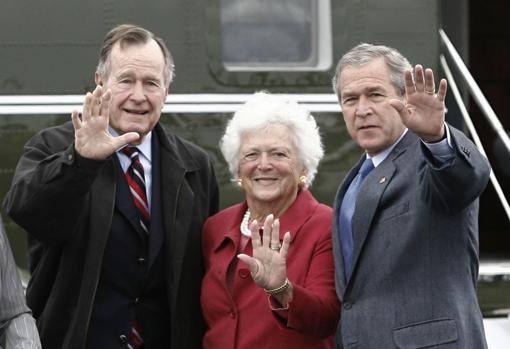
66	203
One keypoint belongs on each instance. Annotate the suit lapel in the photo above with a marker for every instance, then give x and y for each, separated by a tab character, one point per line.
177	200
156	236
103	191
367	203
369	196
297	214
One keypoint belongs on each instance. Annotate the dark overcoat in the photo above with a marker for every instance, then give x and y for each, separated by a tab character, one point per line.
66	203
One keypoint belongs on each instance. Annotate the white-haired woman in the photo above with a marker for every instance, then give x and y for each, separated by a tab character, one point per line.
282	292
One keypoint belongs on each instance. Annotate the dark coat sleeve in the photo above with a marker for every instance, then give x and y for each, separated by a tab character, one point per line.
50	186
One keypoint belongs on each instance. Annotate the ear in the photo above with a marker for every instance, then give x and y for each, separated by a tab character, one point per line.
167	90
98	80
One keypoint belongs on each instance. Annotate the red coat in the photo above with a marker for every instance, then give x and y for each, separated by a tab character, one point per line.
243	319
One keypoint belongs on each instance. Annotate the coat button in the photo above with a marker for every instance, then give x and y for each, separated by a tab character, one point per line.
244	273
123	339
466	151
232	314
347	306
141	261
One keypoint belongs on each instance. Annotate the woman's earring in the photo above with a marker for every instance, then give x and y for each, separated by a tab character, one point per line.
302	180
239	182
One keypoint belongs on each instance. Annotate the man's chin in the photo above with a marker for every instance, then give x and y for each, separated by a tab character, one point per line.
141	131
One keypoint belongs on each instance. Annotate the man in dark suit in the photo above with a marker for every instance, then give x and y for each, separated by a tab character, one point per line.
405	221
115	236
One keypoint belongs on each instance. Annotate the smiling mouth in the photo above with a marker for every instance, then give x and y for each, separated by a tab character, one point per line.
264	180
368	127
136	112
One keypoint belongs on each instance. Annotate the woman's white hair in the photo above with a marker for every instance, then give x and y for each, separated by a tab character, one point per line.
262	110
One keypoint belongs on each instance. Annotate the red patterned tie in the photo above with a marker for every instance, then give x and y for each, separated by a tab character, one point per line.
136	338
136	181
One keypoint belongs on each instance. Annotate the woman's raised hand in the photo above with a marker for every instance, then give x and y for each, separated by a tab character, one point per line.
268	264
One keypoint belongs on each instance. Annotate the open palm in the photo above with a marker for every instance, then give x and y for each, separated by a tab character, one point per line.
268	264
92	138
423	111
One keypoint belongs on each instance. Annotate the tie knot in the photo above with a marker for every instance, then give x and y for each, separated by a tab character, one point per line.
366	167
131	152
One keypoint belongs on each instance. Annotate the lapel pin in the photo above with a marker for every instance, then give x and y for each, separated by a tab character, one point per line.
382	180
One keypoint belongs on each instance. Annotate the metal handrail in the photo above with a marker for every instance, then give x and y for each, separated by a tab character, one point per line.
476	93
472	131
175	103
482	102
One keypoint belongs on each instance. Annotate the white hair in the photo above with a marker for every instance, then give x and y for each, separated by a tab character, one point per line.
263	109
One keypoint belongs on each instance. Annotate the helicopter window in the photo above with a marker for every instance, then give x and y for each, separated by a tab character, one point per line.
276	34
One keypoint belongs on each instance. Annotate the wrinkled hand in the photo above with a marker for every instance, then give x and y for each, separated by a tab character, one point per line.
268	267
91	136
424	112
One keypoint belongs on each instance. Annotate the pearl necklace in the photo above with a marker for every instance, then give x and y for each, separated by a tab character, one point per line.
245	230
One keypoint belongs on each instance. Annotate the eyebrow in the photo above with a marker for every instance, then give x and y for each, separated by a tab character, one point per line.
258	148
368	89
131	73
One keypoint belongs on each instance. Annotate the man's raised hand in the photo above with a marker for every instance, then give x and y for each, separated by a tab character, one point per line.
92	138
424	110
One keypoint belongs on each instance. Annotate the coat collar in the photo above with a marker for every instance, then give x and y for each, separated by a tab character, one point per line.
172	148
177	200
291	220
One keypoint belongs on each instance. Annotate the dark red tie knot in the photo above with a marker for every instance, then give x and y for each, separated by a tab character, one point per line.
131	152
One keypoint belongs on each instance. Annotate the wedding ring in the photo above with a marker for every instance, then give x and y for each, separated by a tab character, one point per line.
275	247
430	92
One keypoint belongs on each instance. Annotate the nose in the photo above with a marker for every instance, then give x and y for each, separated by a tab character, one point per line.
264	161
138	93
363	107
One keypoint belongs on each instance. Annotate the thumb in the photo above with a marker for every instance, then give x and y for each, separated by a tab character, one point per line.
250	261
124	139
400	107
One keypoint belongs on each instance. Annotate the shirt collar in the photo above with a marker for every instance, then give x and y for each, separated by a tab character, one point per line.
377	159
144	148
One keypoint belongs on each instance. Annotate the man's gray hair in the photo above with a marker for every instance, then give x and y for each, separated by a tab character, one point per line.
132	34
365	53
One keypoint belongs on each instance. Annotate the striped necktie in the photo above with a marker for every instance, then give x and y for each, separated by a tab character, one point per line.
135	177
136	180
136	338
